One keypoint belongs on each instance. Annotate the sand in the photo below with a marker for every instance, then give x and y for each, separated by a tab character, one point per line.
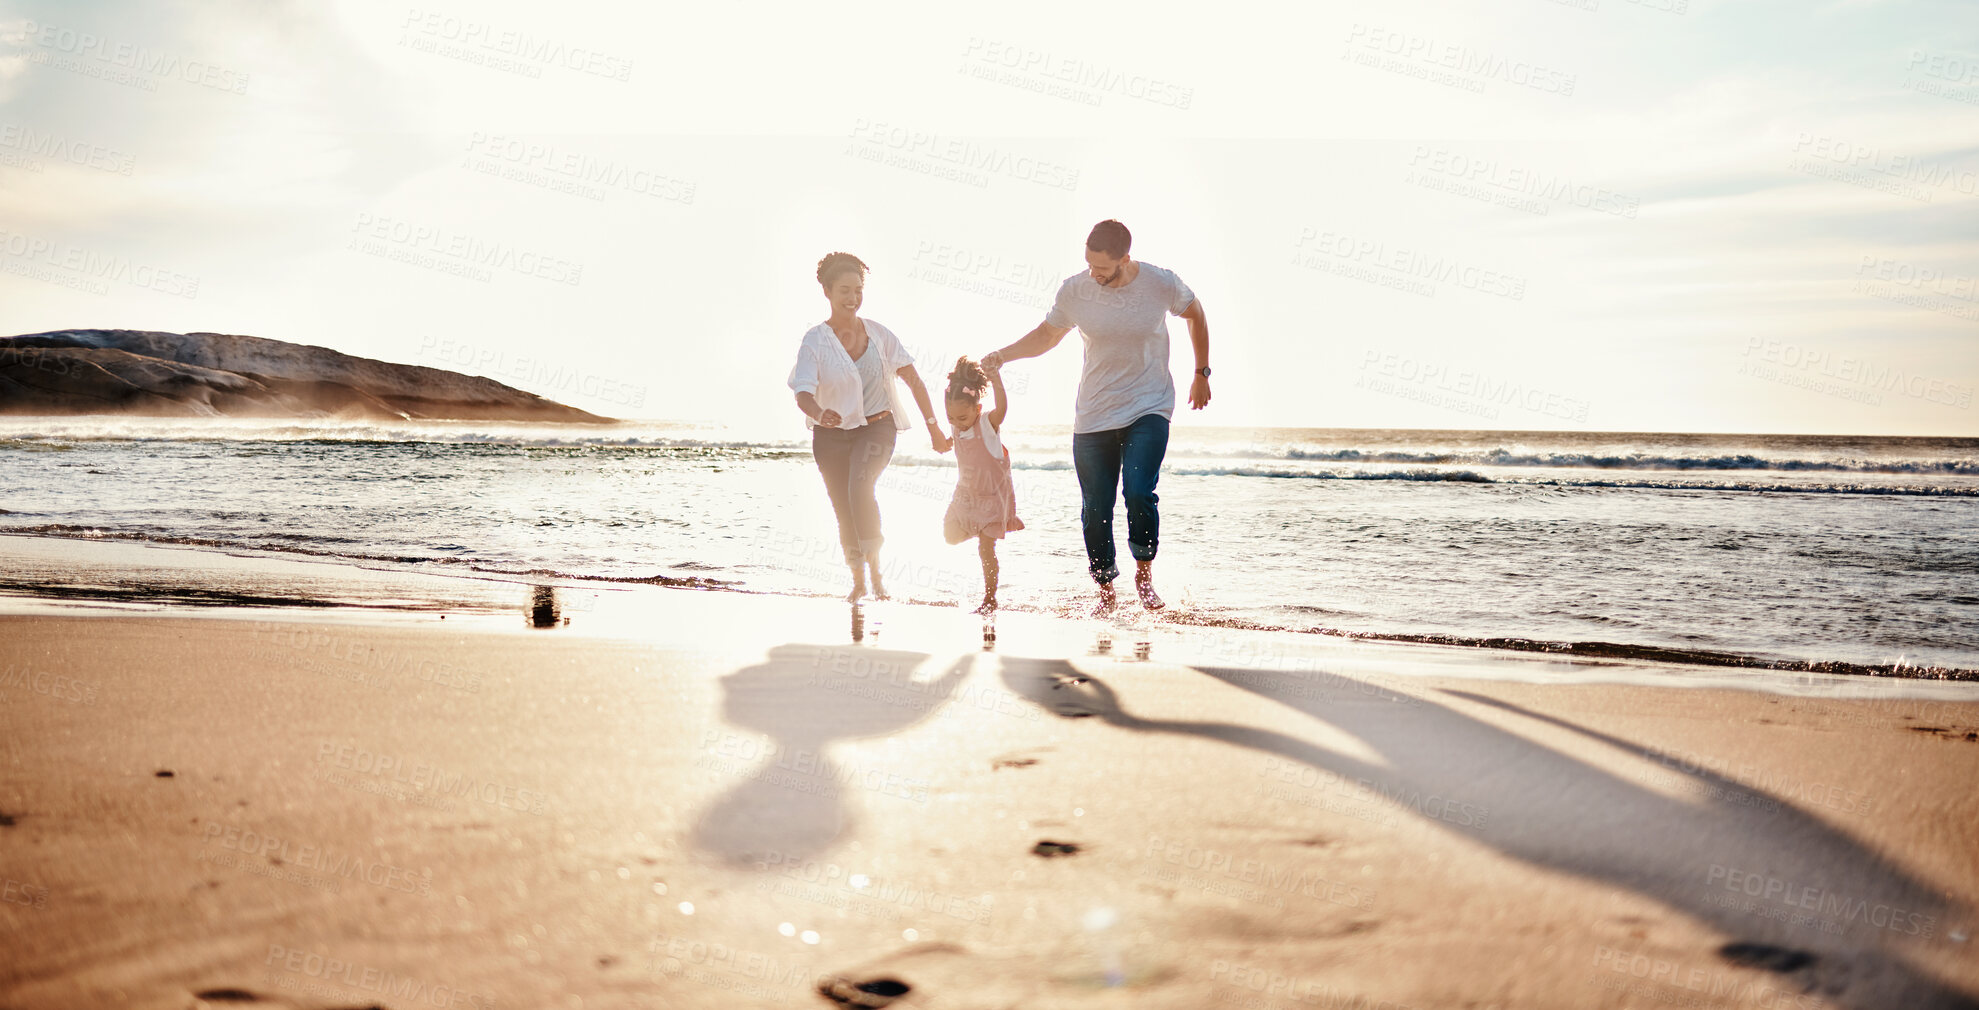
708	799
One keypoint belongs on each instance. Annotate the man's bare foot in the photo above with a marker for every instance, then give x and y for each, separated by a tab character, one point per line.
858	585
1144	585
1106	600
987	608
879	588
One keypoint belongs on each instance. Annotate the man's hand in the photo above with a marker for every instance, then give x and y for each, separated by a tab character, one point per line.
992	362
1199	393
829	419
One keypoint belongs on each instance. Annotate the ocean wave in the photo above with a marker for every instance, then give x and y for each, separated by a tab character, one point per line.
1466	476
1583	650
1629	461
1030	450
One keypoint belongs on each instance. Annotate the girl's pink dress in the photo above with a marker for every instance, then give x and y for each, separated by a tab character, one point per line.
985	504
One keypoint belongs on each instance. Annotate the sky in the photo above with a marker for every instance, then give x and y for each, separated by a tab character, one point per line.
1624	215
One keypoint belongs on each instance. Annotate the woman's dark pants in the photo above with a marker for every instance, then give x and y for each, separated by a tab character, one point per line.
851	462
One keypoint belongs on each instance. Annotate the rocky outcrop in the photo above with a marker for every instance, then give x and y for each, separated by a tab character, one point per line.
152	373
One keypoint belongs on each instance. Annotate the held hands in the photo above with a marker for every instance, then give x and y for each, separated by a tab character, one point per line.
992	362
1199	393
942	442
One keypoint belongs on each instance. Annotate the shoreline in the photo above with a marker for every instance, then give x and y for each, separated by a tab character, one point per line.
363	589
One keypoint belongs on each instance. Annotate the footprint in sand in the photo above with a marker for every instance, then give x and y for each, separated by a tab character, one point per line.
876	993
1780	960
231	995
1053	850
1017	758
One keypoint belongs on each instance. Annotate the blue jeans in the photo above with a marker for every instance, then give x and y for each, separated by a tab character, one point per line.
1122	460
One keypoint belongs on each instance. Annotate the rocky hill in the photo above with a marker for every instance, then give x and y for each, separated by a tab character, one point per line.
151	373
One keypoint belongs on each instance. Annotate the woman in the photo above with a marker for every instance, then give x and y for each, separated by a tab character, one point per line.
844	385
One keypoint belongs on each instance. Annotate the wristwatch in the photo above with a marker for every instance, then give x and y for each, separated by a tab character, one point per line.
1203	371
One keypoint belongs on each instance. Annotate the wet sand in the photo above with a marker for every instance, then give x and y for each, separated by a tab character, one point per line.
692	799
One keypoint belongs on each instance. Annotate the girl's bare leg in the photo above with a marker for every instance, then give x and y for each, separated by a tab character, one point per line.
986	548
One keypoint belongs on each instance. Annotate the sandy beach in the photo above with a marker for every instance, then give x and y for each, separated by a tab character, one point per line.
709	799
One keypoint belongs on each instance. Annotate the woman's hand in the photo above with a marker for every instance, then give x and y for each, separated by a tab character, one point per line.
829	419
942	442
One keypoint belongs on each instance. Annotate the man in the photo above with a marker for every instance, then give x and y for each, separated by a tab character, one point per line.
1126	395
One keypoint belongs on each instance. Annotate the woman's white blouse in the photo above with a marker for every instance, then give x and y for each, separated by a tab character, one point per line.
824	370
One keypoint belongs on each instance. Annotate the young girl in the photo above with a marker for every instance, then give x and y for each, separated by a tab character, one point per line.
985	505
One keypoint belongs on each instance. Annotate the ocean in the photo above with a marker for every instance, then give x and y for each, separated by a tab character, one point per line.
1849	554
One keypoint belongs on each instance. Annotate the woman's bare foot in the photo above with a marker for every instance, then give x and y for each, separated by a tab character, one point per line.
1144	584
988	606
1106	600
858	585
879	588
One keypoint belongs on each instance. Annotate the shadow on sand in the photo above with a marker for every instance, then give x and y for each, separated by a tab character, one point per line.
788	803
1555	811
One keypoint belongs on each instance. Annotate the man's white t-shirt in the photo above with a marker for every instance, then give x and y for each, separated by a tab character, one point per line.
1126	333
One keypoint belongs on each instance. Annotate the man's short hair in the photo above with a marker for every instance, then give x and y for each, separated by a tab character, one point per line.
1110	237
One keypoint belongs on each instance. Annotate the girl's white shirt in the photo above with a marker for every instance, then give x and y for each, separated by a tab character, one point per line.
990	440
